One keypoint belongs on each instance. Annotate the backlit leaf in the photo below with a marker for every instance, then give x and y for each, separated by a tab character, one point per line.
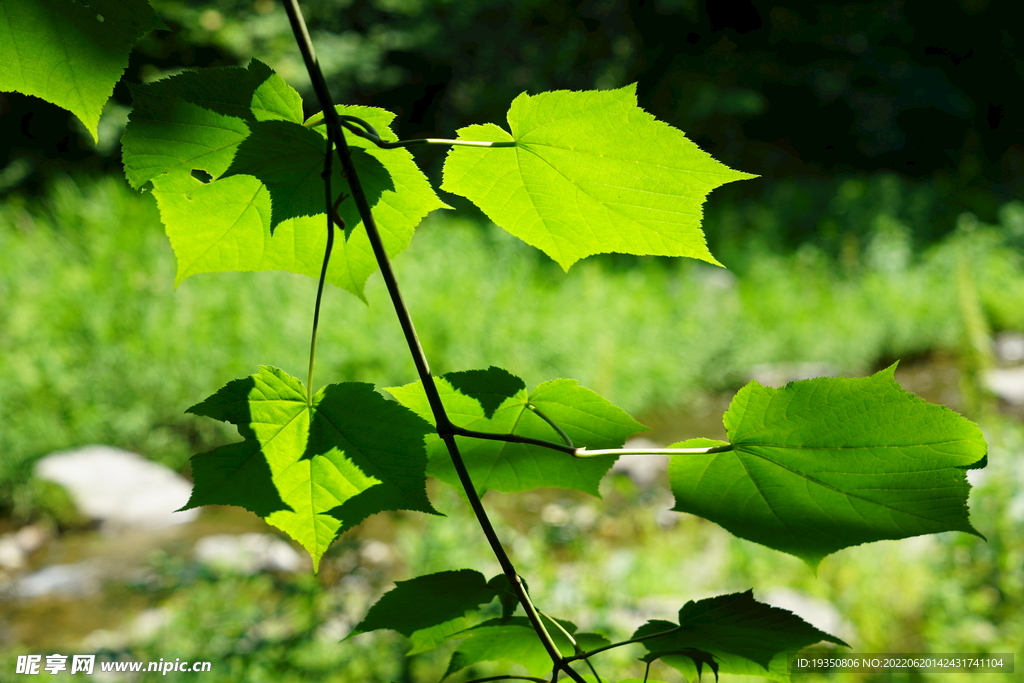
590	173
312	472
197	119
514	640
70	53
490	387
427	601
288	159
588	419
828	463
745	636
264	209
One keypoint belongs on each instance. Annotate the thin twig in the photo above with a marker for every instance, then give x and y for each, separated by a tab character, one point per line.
366	131
639	639
511	438
509	677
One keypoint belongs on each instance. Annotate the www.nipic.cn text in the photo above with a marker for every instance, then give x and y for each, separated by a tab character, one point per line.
86	664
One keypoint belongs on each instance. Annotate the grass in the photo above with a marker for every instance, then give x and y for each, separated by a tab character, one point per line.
96	346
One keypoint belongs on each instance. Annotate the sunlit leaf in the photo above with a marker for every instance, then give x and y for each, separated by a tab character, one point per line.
197	119
429	609
827	463
311	471
514	640
585	417
743	635
70	53
264	207
590	173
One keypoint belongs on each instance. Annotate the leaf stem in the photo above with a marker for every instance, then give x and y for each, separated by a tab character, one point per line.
443	423
512	438
584	453
357	126
509	677
639	639
565	437
326	175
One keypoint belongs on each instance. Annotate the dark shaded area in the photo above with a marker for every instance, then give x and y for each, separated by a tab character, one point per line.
237	473
491	387
928	89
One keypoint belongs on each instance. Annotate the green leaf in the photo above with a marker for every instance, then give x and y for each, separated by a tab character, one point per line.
828	463
70	53
197	119
588	419
506	595
429	609
241	126
514	640
745	636
490	387
313	472
590	173
288	159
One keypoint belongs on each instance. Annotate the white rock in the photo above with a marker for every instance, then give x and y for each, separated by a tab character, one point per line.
247	553
70	580
1006	383
11	554
376	552
644	470
121	489
1009	347
30	538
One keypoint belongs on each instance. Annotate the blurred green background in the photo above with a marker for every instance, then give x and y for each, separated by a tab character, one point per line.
887	224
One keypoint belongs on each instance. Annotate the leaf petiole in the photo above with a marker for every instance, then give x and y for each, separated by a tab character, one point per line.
332	217
584	453
357	126
511	438
508	677
639	639
565	437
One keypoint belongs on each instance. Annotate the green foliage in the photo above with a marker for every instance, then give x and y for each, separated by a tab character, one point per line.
584	417
589	173
827	463
808	469
743	635
70	53
244	128
429	609
311	469
514	640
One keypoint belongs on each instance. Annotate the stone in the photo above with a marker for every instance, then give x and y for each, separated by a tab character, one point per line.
76	580
1009	347
11	554
644	470
16	546
122	490
1006	383
247	553
31	538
